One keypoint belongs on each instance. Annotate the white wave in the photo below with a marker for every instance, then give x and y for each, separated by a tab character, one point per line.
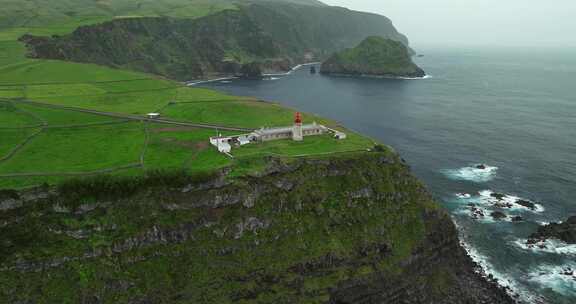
548	246
415	78
487	269
561	279
463	195
473	174
271	78
507	201
194	83
292	70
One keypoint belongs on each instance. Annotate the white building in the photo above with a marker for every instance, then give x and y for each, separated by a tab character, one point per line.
339	135
222	143
297	132
153	115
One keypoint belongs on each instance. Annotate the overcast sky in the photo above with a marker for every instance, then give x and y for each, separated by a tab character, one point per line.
477	22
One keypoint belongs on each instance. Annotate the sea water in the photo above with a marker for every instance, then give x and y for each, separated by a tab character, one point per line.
513	110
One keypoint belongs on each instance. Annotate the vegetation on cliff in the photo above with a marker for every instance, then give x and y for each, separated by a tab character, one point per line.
375	56
274	35
341	229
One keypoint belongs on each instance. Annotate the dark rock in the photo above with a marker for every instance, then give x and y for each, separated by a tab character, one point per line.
498	196
503	205
497	215
527	204
10	204
517	218
481	167
565	231
251	71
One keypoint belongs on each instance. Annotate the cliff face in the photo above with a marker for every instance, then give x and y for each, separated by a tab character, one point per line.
375	56
344	229
274	35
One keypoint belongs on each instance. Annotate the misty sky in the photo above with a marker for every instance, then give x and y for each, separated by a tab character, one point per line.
478	22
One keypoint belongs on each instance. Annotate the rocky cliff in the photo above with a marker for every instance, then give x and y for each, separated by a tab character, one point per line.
353	228
375	56
276	35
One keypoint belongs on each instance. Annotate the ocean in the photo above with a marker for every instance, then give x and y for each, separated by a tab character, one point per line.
512	109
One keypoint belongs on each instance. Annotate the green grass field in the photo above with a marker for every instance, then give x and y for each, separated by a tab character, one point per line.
81	143
13	117
79	150
244	113
182	148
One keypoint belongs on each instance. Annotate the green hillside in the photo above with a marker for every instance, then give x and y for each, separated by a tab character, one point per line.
276	35
66	13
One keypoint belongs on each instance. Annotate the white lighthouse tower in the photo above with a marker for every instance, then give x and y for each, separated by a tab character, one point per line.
297	134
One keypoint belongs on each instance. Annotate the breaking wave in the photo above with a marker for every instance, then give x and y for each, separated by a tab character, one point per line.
507	201
474	173
547	246
490	207
486	270
561	279
416	78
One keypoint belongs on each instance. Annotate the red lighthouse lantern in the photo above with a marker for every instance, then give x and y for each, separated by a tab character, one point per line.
298	118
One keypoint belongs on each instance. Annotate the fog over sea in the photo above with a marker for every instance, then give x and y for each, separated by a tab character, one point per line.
513	110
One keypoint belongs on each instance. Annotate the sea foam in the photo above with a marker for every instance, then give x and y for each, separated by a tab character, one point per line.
547	246
487	269
561	279
472	174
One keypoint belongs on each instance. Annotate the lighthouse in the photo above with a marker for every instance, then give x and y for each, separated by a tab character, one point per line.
297	134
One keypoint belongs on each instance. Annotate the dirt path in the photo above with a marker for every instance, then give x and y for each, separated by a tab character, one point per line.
96	172
140	118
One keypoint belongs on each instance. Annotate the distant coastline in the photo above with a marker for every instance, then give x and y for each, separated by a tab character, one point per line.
232	77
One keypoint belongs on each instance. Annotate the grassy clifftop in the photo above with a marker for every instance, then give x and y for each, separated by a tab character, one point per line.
352	228
375	56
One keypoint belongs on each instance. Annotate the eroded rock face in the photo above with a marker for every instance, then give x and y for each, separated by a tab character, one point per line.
353	229
565	231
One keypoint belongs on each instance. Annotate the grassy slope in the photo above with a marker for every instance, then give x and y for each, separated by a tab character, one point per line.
65	14
87	86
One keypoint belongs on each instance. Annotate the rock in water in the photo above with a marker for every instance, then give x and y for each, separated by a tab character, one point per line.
517	219
497	215
375	56
565	231
498	196
527	204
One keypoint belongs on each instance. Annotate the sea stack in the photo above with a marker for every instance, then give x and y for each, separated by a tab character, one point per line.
374	57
